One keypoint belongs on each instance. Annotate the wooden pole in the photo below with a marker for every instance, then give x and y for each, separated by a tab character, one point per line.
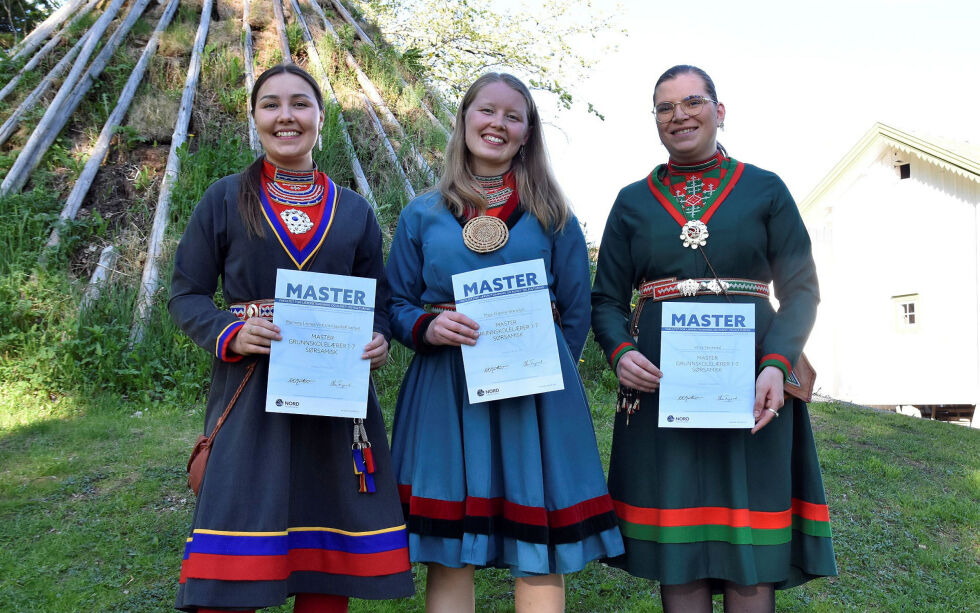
375	97
40	55
253	136
359	177
287	58
10	126
44	29
27	163
98	152
375	122
154	251
17	175
367	39
100	276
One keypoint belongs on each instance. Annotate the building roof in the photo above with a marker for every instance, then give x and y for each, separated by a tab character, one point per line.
958	157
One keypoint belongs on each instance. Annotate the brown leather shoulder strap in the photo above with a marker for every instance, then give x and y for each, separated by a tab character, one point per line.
231	403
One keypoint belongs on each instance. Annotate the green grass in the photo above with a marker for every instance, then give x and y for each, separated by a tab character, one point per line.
94	509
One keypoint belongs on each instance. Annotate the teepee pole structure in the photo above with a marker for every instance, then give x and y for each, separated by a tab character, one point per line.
98	152
375	122
375	97
151	268
10	126
44	29
107	261
19	173
287	58
367	40
253	136
359	177
45	50
65	111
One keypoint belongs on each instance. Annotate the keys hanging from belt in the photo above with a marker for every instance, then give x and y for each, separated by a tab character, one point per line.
363	458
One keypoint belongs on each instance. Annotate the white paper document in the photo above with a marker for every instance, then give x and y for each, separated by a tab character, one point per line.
707	355
517	352
326	320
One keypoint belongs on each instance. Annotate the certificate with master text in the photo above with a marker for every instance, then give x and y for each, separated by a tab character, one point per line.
517	351
707	355
325	322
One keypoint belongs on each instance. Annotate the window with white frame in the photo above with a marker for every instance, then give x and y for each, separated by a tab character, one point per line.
907	312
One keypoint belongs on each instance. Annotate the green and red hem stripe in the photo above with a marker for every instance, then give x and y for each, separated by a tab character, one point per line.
734	526
780	362
499	516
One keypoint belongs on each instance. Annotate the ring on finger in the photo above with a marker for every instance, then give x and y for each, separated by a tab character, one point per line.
773	411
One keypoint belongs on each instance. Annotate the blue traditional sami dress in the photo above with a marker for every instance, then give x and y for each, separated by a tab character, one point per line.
279	511
515	483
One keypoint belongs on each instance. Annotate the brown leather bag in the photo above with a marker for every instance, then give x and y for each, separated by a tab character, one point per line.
198	462
800	382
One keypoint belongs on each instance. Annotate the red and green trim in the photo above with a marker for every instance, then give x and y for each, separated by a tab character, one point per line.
619	352
780	362
273	556
735	526
419	329
732	173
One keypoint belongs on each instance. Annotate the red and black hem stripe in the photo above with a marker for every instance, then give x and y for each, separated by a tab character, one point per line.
500	517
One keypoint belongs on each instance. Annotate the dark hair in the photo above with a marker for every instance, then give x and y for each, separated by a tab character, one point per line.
709	85
251	184
536	184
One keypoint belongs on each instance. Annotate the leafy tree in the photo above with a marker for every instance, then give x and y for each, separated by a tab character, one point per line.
18	17
458	40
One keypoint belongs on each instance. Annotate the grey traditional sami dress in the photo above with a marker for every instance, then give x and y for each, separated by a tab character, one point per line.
713	503
280	511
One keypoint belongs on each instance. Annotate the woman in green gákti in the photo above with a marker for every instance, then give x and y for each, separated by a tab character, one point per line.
710	510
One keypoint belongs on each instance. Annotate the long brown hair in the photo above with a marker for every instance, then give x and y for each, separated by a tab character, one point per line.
536	184
251	184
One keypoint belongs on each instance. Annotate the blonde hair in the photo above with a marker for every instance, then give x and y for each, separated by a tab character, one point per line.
536	184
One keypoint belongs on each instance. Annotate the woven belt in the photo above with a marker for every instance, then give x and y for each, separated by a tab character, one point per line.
255	308
442	307
666	289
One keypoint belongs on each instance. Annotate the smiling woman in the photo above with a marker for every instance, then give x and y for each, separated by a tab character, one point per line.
281	509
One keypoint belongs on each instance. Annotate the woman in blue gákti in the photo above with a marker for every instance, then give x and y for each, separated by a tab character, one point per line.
703	510
281	511
514	483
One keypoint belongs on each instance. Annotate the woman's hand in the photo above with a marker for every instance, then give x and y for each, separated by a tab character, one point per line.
635	371
768	396
452	328
376	351
255	337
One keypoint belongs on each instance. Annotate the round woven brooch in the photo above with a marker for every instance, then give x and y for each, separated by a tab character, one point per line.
485	233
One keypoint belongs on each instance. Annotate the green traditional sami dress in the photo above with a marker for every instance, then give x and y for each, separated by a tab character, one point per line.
713	503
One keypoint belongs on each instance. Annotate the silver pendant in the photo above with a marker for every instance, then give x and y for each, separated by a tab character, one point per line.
688	287
297	222
694	234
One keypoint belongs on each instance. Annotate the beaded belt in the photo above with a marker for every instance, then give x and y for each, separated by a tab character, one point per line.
254	308
666	289
442	307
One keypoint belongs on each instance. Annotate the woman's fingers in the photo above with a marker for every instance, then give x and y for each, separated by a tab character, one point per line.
636	371
769	397
255	337
376	351
452	328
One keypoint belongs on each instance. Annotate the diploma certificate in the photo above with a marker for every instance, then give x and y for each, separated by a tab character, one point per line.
326	320
707	355
517	352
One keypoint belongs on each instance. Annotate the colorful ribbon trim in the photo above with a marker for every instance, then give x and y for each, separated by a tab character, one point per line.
301	257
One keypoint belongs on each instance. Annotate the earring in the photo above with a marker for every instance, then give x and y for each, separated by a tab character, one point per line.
721	125
319	142
521	153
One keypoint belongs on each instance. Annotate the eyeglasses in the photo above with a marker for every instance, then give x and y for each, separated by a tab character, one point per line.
692	106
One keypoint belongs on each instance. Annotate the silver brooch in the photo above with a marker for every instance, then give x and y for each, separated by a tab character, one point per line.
688	287
296	221
694	234
716	287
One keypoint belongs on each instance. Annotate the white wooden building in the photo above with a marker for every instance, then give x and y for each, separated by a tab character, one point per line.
896	236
